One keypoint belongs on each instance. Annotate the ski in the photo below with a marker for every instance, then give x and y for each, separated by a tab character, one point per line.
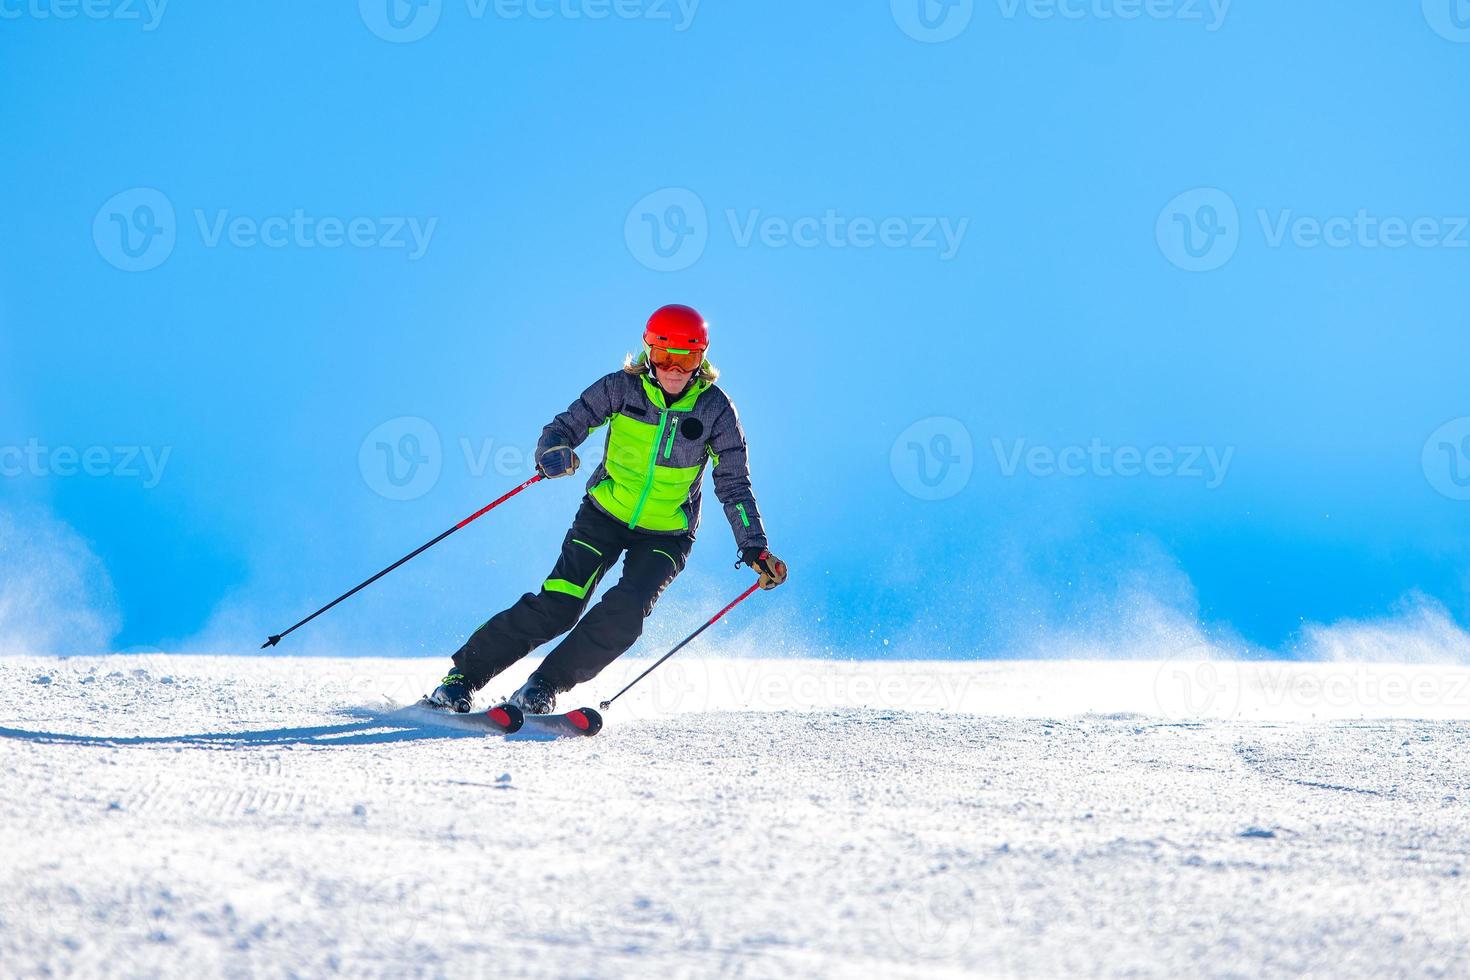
581	721
504	718
507	719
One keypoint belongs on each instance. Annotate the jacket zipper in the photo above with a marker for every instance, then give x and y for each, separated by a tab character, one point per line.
669	444
663	417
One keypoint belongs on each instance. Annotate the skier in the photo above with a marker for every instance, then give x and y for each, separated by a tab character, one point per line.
665	419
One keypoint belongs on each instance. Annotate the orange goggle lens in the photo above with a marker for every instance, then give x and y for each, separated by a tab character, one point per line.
683	360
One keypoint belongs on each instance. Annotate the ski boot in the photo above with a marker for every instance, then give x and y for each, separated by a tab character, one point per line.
452	694
536	697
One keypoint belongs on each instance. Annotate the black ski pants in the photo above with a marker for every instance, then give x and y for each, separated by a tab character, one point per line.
591	548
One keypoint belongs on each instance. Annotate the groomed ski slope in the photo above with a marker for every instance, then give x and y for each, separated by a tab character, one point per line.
251	817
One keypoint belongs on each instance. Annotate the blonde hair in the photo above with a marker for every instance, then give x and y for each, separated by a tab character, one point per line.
639	365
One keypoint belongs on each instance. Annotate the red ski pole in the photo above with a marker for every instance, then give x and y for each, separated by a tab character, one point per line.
682	644
411	555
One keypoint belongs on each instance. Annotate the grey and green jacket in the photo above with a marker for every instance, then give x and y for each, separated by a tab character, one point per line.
656	454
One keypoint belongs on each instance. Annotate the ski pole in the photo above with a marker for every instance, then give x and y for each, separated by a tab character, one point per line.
682	644
411	555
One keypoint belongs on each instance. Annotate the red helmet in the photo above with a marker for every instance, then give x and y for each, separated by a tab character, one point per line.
678	328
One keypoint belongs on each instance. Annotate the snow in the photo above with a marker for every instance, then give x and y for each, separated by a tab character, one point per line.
256	816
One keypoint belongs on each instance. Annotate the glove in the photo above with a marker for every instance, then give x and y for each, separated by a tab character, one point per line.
557	461
772	569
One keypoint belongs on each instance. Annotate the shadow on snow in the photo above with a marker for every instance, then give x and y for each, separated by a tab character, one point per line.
397	726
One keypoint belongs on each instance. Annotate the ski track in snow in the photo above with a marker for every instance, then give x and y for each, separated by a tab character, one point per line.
256	817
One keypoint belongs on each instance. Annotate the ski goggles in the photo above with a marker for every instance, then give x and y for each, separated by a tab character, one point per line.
666	358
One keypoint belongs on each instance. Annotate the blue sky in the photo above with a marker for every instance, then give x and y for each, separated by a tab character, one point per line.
1036	331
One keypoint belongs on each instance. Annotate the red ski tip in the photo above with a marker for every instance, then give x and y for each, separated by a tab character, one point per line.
508	717
585	720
